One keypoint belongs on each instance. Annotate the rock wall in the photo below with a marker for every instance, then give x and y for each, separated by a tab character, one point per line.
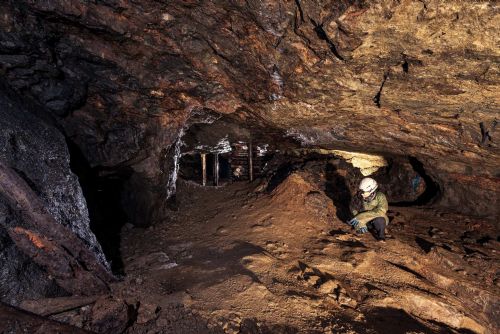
35	168
410	77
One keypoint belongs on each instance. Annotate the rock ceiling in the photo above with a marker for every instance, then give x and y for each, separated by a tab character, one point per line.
122	77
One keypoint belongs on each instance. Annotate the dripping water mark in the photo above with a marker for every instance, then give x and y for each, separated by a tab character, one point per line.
320	32
376	98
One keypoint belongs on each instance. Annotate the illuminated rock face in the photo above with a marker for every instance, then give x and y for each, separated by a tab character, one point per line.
412	78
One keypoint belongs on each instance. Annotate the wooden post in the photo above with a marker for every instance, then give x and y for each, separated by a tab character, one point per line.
204	168
216	169
250	160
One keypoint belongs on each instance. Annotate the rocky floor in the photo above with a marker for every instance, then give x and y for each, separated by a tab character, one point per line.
236	259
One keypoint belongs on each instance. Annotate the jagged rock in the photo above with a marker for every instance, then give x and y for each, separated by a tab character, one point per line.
328	287
109	315
50	306
147	312
344	299
122	78
44	229
313	280
13	320
38	153
52	250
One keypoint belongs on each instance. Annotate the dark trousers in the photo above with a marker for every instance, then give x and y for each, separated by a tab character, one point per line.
377	227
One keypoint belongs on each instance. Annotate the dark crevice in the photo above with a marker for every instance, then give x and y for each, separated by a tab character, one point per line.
411	271
216	52
318	29
28	181
487	132
338	190
423	2
432	190
377	97
56	18
337	232
405	66
470	251
484	240
103	196
132	315
425	245
297	2
280	175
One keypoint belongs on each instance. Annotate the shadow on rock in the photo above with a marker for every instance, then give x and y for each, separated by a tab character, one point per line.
338	190
212	266
395	321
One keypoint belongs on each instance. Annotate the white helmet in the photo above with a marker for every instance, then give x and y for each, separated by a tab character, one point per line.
368	186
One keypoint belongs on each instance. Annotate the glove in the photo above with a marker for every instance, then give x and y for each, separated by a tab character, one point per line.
353	222
362	230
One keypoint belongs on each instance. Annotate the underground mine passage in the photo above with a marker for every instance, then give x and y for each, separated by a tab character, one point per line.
249	167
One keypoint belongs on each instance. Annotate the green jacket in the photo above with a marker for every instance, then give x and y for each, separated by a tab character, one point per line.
375	208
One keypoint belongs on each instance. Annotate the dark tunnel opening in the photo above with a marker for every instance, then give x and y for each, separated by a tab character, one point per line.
432	190
337	188
103	195
190	168
404	180
281	173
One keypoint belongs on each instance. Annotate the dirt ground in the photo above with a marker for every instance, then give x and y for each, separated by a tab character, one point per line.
237	259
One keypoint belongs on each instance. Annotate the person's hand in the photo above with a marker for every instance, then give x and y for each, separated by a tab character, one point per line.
362	230
353	222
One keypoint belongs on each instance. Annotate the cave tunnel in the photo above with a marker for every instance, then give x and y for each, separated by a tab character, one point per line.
249	167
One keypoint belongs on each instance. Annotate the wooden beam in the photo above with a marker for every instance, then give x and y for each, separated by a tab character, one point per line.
204	168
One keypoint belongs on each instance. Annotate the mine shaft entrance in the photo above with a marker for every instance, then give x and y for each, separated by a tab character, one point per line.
244	162
217	168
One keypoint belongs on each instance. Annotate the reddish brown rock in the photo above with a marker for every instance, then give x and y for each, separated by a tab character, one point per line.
13	320
407	78
109	315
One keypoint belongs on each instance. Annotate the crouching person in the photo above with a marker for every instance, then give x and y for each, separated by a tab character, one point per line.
370	210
